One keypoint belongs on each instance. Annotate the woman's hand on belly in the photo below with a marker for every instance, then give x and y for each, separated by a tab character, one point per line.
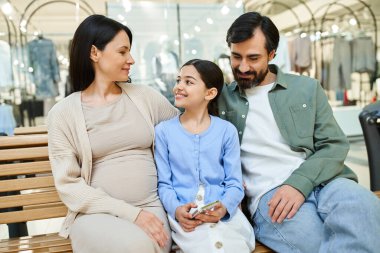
153	227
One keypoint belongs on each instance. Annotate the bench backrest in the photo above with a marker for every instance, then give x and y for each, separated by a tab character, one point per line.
26	183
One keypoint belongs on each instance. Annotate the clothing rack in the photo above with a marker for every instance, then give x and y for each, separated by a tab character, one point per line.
34	7
353	13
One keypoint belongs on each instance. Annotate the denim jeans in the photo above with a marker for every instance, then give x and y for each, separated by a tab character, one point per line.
339	217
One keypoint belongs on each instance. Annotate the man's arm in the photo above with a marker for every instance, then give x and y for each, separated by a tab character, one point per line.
330	150
326	163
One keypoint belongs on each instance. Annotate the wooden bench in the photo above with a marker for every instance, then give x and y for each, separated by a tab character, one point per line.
26	156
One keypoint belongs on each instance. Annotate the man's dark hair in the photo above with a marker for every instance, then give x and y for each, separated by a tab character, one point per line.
243	28
96	30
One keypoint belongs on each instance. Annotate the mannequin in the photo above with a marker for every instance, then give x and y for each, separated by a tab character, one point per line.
165	68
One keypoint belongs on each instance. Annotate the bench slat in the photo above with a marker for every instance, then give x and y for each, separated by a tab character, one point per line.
27	168
23	153
260	248
33	214
58	249
30	239
30	130
57	246
29	199
26	183
23	141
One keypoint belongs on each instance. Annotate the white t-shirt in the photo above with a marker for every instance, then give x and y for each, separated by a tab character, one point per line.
267	159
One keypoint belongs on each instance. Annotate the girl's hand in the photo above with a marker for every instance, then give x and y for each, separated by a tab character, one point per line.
185	219
214	216
153	227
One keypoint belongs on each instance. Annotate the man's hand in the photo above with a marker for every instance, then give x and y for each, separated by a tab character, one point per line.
219	211
185	219
153	227
285	203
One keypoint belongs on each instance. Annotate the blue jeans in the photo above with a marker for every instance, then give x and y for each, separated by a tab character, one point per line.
339	217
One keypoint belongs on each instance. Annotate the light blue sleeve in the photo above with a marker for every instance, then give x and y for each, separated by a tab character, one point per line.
233	182
166	191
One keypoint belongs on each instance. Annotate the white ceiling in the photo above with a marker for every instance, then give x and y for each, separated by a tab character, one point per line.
58	19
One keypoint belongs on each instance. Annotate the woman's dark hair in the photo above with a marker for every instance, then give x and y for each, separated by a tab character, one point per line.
212	76
96	30
243	28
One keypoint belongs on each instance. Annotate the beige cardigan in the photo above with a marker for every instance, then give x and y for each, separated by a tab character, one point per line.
71	159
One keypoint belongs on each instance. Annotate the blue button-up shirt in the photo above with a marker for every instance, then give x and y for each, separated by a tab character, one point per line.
185	160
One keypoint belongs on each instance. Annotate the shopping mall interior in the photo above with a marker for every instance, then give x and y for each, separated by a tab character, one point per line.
168	33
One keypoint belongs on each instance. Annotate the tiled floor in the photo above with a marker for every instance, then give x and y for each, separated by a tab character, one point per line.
356	159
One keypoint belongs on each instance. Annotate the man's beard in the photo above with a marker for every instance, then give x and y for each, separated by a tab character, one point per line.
247	83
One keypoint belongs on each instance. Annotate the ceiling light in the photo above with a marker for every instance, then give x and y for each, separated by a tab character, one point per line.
288	34
163	38
239	4
210	21
352	21
7	8
197	28
335	28
225	10
23	23
127	5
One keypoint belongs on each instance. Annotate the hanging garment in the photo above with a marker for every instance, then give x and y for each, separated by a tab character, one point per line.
7	120
302	53
282	59
340	67
363	55
43	60
5	65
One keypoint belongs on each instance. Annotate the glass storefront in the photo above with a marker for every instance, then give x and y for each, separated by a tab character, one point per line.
166	35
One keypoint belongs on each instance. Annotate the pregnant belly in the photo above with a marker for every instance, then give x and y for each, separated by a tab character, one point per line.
134	182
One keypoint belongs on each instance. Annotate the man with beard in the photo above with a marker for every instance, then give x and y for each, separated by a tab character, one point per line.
301	196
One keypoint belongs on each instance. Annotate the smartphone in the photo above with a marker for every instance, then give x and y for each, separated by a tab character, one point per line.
194	212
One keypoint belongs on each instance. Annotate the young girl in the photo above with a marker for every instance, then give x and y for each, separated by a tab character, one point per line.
198	162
